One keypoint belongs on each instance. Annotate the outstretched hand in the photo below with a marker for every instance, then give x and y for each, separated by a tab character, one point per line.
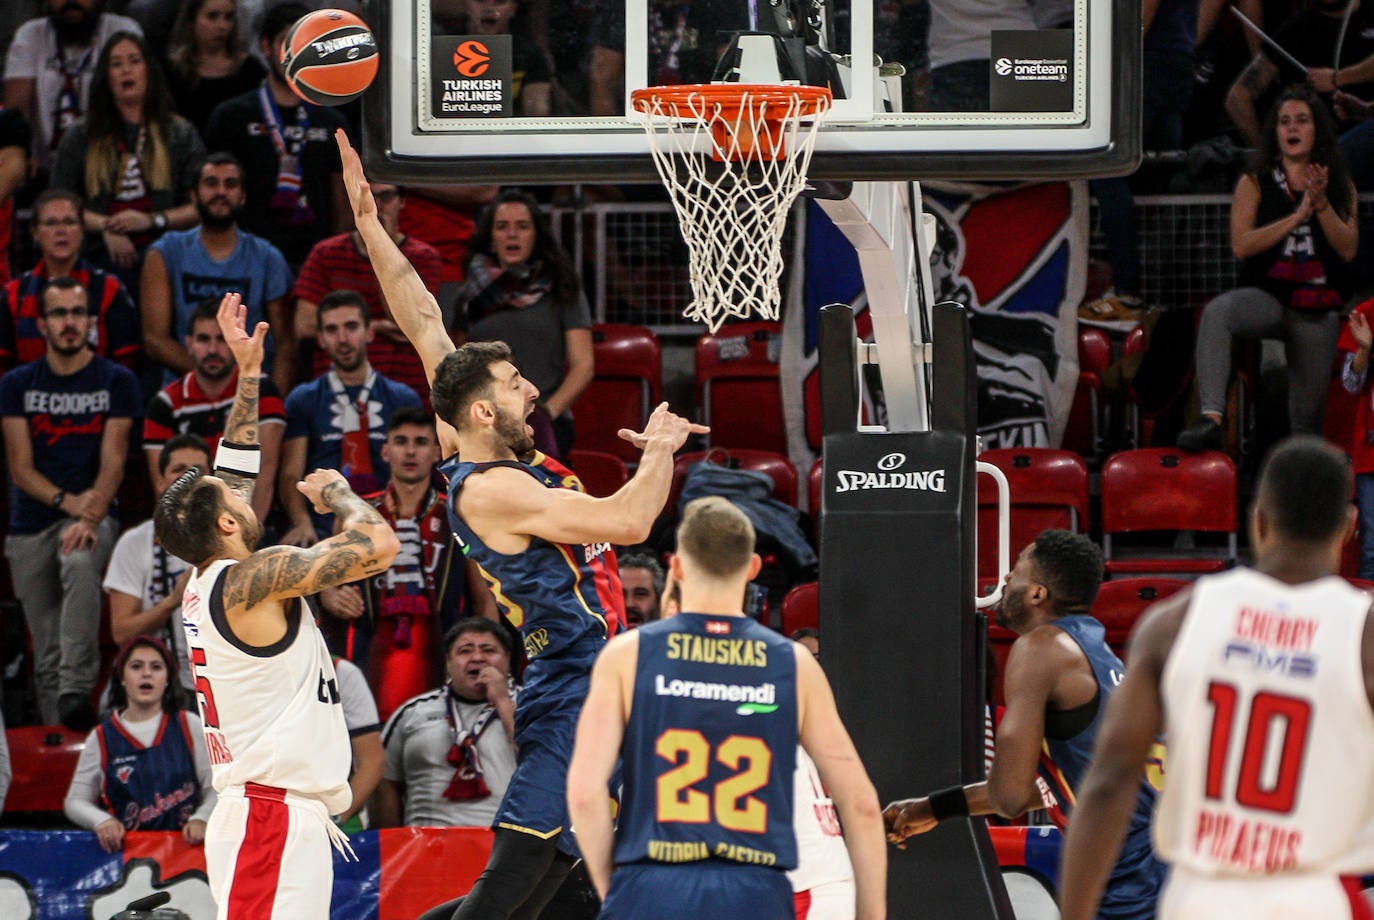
315	486
663	425
359	191
233	322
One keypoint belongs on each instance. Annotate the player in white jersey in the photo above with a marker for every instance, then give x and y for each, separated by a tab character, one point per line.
268	695
823	882
1264	681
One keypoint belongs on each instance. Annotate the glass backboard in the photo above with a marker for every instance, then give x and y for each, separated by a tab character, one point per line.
537	90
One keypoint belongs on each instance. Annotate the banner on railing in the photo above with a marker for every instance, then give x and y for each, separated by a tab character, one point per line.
65	875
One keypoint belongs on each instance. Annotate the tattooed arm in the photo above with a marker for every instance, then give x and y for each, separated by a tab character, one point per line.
240	447
1245	92
364	546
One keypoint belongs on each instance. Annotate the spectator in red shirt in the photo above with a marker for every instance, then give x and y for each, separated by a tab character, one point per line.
339	263
199	402
116	333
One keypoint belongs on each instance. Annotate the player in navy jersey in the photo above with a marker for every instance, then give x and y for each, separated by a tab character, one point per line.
544	547
707	708
1059	677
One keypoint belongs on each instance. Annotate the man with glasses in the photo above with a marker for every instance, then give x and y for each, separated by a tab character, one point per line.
340	263
66	421
185	267
114	330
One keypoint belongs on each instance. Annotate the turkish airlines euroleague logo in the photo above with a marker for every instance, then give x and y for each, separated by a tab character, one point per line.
472	58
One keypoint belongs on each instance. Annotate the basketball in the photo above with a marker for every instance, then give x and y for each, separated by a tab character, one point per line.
330	57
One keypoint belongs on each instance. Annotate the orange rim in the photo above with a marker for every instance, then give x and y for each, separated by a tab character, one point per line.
732	98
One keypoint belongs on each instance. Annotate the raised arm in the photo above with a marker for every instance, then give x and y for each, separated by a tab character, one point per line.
240	447
412	306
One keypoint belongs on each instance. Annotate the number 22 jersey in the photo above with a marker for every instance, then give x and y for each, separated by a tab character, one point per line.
1270	731
710	746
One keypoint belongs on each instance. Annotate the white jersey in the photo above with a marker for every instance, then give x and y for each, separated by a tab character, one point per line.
1270	731
272	715
821	853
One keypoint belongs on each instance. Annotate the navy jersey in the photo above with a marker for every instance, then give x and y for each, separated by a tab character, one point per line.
565	599
1136	878
711	745
150	788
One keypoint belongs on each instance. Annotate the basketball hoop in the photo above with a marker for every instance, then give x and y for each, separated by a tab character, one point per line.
734	157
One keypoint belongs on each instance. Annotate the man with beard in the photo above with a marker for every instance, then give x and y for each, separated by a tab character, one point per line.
66	419
57	234
185	267
49	66
1058	679
294	195
338	420
199	402
269	697
543	545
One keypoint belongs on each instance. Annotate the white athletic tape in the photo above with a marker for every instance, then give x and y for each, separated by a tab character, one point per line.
239	459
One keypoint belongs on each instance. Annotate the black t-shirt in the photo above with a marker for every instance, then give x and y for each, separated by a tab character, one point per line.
14	129
196	99
237	126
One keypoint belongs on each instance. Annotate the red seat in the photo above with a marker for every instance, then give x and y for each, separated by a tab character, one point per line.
1162	489
1120	603
775	465
1094	350
1049	490
738	391
627	385
800	608
1083	431
601	473
43	758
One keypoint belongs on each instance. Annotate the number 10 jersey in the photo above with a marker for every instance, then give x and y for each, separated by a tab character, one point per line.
1270	732
710	746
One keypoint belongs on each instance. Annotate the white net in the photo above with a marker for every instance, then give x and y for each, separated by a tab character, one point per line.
733	166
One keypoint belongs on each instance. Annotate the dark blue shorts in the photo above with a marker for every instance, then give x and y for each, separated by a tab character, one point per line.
696	890
536	800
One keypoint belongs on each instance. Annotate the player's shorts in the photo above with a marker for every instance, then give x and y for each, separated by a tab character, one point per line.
1189	896
697	890
826	901
267	855
536	800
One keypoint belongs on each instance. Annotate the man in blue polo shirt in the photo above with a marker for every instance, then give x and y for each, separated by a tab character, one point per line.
339	419
66	420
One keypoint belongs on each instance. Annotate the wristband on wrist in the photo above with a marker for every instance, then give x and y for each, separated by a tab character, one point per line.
949	803
240	459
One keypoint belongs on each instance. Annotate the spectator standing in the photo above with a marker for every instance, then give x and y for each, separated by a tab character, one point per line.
450	753
1310	36
15	140
338	421
960	43
1293	226
339	263
129	158
145	767
530	72
66	420
397	618
521	289
116	330
207	59
144	582
295	194
188	266
49	66
199	403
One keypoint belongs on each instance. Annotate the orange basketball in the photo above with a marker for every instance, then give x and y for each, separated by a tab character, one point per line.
330	57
